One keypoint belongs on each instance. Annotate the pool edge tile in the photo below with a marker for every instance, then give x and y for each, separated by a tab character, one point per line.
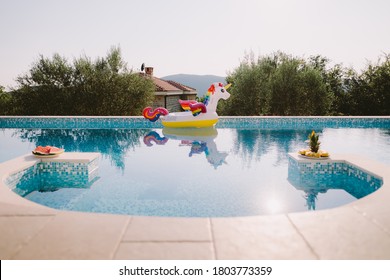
258	237
342	233
167	229
19	231
73	235
165	251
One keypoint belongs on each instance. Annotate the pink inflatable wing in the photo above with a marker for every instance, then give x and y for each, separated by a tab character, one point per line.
197	108
185	104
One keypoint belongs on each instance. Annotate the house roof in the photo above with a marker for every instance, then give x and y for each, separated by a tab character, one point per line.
169	85
181	86
162	85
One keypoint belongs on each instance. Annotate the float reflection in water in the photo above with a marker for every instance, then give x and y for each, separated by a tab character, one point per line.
200	141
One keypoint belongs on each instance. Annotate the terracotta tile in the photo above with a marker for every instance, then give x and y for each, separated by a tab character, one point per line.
168	229
263	237
163	85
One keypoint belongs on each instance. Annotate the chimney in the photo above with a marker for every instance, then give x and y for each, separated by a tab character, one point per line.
149	71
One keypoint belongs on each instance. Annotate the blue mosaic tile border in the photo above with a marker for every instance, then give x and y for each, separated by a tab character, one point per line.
76	122
224	122
306	122
51	176
332	175
25	175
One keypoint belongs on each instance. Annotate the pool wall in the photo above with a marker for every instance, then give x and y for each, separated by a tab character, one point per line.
321	175
70	170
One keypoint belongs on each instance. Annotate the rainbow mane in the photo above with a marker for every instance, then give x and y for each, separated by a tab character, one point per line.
207	98
210	92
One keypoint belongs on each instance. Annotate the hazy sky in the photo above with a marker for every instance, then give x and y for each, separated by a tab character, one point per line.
193	37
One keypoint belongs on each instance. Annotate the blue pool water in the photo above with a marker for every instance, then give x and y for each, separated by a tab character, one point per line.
240	168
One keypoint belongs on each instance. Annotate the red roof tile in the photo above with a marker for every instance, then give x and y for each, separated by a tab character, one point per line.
181	86
163	85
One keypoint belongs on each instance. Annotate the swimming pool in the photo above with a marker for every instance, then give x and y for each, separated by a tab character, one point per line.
239	168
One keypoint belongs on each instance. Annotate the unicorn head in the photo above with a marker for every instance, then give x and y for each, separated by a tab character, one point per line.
215	92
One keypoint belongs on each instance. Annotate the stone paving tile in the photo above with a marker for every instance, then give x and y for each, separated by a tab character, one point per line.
342	233
168	229
7	209
380	216
165	251
262	237
376	207
73	235
17	231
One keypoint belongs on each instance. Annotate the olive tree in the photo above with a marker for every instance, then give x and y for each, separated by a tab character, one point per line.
277	84
105	86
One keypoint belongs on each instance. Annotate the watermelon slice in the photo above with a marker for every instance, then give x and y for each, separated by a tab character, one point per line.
47	150
55	150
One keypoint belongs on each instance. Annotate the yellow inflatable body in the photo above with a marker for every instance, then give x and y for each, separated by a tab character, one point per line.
186	119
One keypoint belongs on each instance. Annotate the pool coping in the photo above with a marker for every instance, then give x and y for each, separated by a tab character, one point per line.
358	230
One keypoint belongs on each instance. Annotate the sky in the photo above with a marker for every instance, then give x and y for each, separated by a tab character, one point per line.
192	37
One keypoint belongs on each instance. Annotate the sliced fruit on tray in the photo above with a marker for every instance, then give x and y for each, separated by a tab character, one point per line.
309	153
47	150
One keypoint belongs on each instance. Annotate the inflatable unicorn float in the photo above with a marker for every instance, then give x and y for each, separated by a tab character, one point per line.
196	114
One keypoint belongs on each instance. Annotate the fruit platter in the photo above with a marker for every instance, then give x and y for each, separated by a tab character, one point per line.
313	152
47	151
306	153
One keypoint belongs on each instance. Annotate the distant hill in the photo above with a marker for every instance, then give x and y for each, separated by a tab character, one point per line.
200	82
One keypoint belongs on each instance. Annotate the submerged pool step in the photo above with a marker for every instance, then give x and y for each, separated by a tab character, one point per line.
27	174
348	172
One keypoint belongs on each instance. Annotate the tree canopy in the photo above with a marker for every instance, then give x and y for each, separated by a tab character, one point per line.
275	84
53	86
281	84
5	99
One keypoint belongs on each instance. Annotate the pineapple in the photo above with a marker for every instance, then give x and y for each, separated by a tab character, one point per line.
314	148
313	142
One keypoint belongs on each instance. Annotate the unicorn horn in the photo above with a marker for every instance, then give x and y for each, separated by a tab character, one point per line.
227	86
